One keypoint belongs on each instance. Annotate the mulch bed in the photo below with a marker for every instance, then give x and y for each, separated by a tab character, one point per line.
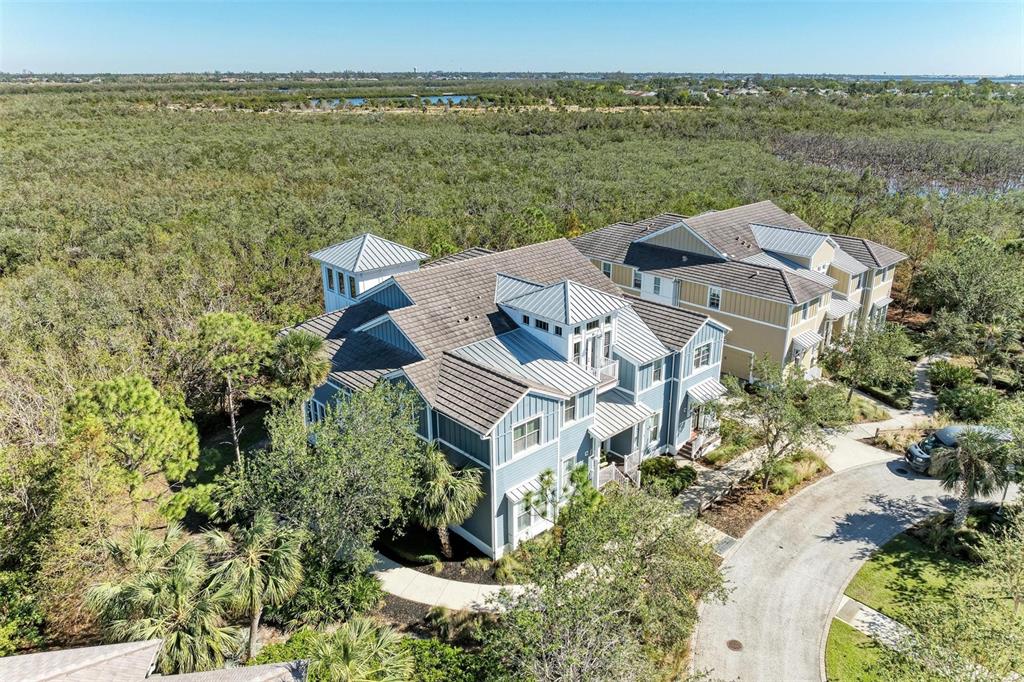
419	542
735	513
456	570
404	615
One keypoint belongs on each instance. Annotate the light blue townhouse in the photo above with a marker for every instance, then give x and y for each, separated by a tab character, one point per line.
524	361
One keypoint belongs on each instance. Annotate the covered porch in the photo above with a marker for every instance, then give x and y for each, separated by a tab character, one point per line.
701	423
626	434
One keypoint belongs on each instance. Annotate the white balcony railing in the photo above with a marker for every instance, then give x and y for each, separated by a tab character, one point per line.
607	371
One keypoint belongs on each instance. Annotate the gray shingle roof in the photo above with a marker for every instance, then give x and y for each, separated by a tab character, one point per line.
358	360
475	396
367	252
673	326
609	243
456	257
567	302
869	253
772	283
341	322
125	662
729	230
293	671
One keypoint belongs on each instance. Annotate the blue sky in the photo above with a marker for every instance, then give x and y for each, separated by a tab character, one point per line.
829	36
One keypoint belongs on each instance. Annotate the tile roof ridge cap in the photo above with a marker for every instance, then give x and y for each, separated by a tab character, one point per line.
791	229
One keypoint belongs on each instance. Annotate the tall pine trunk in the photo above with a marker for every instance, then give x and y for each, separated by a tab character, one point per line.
231	416
963	506
254	627
446	541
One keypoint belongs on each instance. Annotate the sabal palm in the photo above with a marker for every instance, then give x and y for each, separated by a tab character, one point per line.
977	466
168	592
447	495
361	651
262	565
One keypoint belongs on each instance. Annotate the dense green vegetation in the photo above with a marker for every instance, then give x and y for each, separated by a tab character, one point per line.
134	212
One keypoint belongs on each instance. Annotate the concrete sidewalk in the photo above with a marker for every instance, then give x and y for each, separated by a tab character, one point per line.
876	625
714	484
410	584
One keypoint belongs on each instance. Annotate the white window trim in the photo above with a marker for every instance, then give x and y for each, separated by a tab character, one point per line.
656	286
658	382
329	278
606	269
717	290
697	352
637	276
533	448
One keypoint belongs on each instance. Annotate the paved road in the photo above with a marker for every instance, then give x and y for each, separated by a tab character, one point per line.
788	572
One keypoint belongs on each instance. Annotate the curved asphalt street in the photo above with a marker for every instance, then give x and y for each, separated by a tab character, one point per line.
788	572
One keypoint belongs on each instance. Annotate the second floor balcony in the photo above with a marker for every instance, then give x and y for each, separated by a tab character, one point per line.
607	373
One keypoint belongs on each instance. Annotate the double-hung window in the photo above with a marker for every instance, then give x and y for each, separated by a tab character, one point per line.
330	279
886	273
607	349
351	286
636	279
558	330
653	428
658	371
524	516
805	310
606	268
526	436
702	356
577	354
541	325
568	464
714	298
570	410
656	286
526	319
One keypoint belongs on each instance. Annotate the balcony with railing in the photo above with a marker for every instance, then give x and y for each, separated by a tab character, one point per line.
623	469
607	373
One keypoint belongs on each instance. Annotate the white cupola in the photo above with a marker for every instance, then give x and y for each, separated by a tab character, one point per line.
354	266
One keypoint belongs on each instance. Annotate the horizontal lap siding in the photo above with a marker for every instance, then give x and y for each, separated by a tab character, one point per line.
390	334
462	438
530	406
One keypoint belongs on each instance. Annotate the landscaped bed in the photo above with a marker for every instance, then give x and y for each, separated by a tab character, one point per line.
748	502
420	549
737	438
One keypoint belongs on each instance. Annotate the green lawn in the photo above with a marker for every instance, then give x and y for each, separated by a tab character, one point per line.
849	654
903	571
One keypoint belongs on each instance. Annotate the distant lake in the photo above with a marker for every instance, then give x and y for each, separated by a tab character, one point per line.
360	101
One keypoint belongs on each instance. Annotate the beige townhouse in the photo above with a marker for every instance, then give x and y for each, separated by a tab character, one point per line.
782	287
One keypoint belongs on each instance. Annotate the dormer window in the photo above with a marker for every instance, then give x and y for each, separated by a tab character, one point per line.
656	286
636	279
606	268
541	325
351	286
558	330
330	279
526	319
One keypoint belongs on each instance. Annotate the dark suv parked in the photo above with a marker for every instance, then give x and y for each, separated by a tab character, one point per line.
919	455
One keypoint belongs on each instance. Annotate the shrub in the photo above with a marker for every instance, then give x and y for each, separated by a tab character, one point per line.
794	470
897	441
478	564
21	622
435	661
944	374
437	567
457	625
969	403
898	397
663	471
328	596
937	534
508	569
300	646
867	411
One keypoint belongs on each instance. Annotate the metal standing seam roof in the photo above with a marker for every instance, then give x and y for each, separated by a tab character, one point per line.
125	662
635	340
881	303
518	354
776	260
840	307
519	493
706	391
615	412
567	302
847	263
367	252
507	287
807	340
787	240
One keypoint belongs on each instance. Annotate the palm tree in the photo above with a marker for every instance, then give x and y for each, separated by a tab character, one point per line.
977	466
167	591
361	651
447	495
262	565
297	366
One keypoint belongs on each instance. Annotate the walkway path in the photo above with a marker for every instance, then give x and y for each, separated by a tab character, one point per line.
872	623
713	484
410	584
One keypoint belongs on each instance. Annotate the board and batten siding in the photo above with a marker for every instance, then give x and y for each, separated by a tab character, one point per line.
422	411
529	406
682	239
390	296
516	472
390	334
706	334
465	439
479	522
627	374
